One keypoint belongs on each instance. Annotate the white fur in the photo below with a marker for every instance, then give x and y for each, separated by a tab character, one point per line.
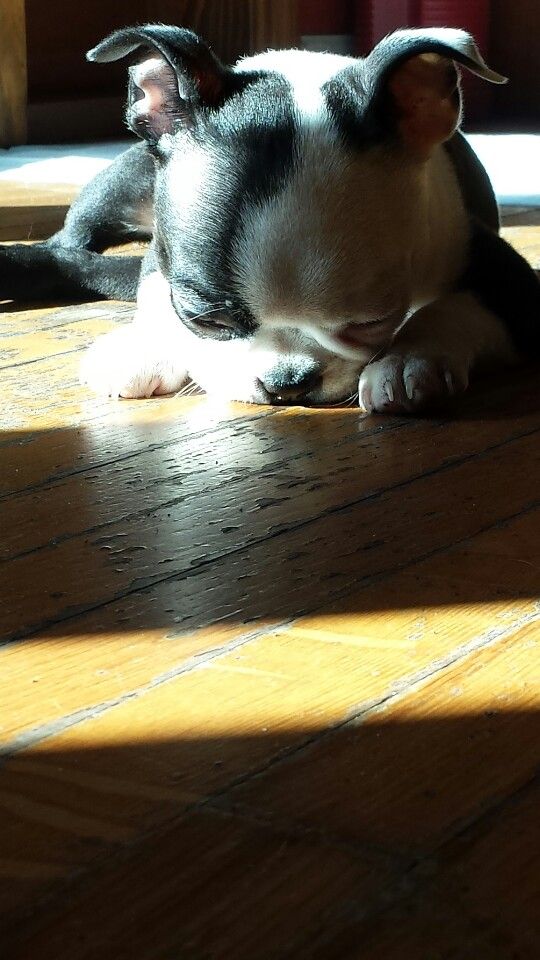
144	358
429	359
305	71
157	354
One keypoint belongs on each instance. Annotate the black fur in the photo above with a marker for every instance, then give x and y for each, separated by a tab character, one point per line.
68	265
505	283
252	140
109	206
474	182
41	272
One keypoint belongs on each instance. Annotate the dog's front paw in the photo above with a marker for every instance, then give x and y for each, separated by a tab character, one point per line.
409	383
126	363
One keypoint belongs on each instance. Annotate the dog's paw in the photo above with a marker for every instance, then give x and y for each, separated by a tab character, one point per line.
409	383
126	363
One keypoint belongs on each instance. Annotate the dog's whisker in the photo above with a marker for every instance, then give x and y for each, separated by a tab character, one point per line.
215	308
188	390
349	401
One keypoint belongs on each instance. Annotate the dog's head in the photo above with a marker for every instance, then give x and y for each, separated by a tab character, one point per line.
293	207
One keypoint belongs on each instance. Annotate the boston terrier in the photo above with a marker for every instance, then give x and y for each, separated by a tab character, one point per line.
321	230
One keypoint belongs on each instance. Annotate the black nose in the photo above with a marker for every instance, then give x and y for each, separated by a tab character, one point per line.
285	384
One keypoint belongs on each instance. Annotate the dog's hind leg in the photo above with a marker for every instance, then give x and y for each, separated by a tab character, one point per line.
115	205
39	273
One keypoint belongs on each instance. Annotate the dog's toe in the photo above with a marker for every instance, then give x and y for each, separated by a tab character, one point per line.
408	384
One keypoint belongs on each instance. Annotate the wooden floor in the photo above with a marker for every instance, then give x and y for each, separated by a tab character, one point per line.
271	679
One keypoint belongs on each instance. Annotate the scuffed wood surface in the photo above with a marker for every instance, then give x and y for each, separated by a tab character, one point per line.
269	681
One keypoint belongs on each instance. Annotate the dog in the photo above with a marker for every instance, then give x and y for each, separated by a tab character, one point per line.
321	230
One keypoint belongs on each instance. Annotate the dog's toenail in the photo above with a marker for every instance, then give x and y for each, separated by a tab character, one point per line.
410	386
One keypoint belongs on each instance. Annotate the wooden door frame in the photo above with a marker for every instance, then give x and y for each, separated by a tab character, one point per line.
12	72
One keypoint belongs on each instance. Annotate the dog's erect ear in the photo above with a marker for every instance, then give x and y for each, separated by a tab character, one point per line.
413	82
176	75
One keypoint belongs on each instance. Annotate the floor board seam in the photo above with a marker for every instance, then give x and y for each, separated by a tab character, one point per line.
404	688
142	584
163	505
58	478
379	704
339	594
197	662
8	334
50	356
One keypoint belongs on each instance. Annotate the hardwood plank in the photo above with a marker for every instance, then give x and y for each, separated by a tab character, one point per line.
413	773
505	557
186	464
420	926
37	319
172	541
81	436
45	394
417	926
33	212
160	477
206	887
21	349
164	747
36	453
465	907
112	652
489	864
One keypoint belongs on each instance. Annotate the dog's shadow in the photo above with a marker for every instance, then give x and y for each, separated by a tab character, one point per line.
505	395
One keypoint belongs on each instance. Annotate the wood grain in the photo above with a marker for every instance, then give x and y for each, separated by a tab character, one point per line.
419	769
295	888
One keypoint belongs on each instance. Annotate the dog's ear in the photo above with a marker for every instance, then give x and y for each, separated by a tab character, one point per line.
177	74
413	84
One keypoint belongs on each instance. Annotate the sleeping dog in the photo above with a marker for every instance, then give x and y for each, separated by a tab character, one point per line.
320	228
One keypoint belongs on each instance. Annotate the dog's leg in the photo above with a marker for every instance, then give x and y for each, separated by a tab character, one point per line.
33	273
432	355
114	205
494	319
146	357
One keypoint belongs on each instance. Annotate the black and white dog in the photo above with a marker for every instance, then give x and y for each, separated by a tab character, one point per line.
320	228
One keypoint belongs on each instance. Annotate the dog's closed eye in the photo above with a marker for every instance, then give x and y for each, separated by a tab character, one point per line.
218	321
219	327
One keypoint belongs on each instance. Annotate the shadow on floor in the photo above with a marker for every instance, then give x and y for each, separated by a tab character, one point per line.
369	840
